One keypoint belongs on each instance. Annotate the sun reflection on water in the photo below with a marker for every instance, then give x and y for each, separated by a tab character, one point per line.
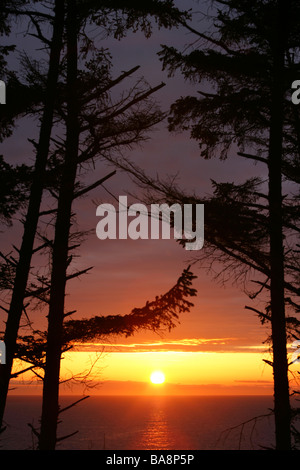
157	433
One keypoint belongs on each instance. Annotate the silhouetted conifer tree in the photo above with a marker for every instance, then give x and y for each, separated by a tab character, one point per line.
36	191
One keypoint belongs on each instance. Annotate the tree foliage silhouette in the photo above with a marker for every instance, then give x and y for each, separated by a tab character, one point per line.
14	183
252	72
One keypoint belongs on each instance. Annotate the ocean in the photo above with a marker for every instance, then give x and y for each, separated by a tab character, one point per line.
147	423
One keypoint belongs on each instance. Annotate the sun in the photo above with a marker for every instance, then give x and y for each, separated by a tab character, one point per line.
157	377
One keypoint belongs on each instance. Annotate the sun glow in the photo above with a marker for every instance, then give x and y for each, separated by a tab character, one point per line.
157	377
186	373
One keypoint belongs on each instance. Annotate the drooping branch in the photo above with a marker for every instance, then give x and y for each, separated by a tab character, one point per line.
161	313
157	315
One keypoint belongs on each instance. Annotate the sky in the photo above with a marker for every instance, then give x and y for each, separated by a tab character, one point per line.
218	347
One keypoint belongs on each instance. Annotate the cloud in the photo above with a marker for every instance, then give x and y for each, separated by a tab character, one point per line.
178	345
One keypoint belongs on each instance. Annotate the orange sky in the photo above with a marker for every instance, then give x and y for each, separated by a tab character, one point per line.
218	346
112	371
216	349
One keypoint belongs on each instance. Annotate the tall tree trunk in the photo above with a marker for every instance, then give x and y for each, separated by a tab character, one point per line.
30	226
278	321
50	407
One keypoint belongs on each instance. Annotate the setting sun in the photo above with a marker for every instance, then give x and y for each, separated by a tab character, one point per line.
157	377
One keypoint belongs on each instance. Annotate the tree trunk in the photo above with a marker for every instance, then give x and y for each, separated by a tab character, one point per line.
30	226
50	407
278	322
